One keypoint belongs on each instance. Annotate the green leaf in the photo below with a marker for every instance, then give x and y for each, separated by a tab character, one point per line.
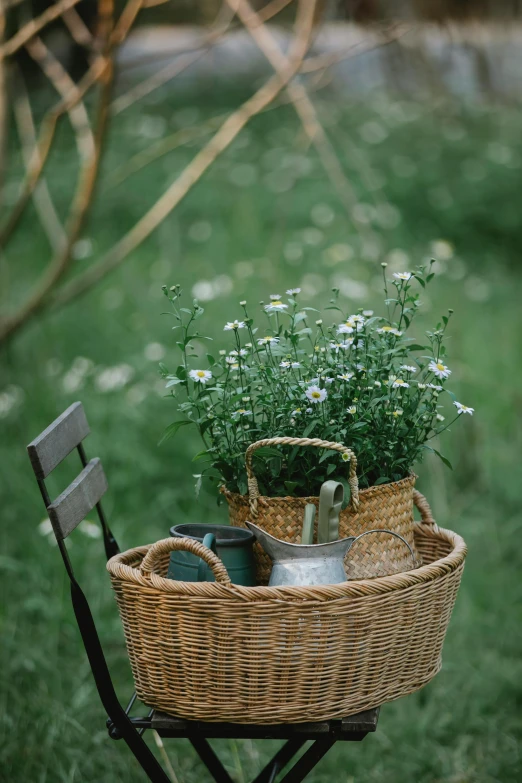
307	430
210	359
201	455
444	459
290	486
172	430
382	480
331	467
181	373
267	451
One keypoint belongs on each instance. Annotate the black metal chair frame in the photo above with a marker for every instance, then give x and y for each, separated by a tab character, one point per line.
55	443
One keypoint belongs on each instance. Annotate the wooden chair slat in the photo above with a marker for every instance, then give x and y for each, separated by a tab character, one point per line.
80	497
58	440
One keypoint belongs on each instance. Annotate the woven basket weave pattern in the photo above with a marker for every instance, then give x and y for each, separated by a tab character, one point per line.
221	652
388	506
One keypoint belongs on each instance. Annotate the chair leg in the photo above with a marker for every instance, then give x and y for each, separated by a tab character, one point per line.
308	760
210	760
280	760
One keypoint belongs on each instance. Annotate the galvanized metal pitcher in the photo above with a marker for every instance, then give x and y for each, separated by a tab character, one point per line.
309	564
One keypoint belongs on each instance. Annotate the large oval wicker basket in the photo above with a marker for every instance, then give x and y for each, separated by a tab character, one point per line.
386	506
215	651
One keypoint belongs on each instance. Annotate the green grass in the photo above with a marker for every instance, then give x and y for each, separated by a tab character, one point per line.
459	181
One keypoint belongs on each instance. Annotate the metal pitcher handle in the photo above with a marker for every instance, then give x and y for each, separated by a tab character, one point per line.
391	533
209	541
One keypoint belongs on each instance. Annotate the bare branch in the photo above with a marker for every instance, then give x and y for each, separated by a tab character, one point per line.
34	26
77	28
228	131
3	100
43	203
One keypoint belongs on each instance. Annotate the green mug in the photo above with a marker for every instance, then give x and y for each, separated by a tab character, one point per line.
233	546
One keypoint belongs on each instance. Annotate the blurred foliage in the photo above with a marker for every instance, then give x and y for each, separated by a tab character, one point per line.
438	178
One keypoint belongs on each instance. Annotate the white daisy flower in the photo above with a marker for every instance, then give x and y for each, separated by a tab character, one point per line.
243	303
267	340
346	328
230	325
463	408
352	409
276	306
200	376
293	291
357	319
400	384
397	413
378	384
315	394
327	379
285	365
360	367
242	352
242	412
232	361
440	417
421	385
222	353
296	412
439	369
319	322
403	275
434	387
408	368
346	376
296	365
275	297
389	330
309	410
368	313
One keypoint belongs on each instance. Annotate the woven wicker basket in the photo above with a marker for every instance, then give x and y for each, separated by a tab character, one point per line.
219	652
386	506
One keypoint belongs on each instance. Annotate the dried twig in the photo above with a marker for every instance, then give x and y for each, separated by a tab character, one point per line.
34	26
77	28
43	203
3	98
228	131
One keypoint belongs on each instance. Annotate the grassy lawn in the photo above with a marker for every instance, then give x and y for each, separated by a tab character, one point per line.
438	179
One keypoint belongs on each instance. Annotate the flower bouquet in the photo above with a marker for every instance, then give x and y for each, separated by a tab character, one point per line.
359	380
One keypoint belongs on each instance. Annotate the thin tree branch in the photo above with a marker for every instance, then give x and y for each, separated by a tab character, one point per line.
77	28
228	131
83	194
43	203
34	26
303	106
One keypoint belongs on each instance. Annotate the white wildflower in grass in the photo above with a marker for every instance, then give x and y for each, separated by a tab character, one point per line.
234	325
345	457
463	408
389	330
439	369
276	306
403	275
200	376
338	382
268	340
315	394
293	291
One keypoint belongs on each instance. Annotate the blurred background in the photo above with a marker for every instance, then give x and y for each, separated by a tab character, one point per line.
132	155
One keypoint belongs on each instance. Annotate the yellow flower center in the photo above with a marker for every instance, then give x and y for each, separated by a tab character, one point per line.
277	302
201	373
440	367
316	395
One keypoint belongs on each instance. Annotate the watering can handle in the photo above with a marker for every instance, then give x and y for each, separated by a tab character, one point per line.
253	487
390	533
209	540
166	545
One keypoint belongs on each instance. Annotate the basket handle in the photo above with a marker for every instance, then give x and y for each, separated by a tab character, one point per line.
253	487
390	533
188	545
424	508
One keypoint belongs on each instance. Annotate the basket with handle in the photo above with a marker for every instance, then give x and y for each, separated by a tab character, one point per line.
215	651
386	506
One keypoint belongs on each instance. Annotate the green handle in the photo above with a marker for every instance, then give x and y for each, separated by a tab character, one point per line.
307	536
210	542
330	503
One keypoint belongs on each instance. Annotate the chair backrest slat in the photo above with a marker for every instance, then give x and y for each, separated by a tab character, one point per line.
80	497
58	440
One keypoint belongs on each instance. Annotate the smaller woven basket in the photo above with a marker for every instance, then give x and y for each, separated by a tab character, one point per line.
214	651
383	507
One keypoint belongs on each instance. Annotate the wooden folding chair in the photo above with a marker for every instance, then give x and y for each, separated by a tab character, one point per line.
84	494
